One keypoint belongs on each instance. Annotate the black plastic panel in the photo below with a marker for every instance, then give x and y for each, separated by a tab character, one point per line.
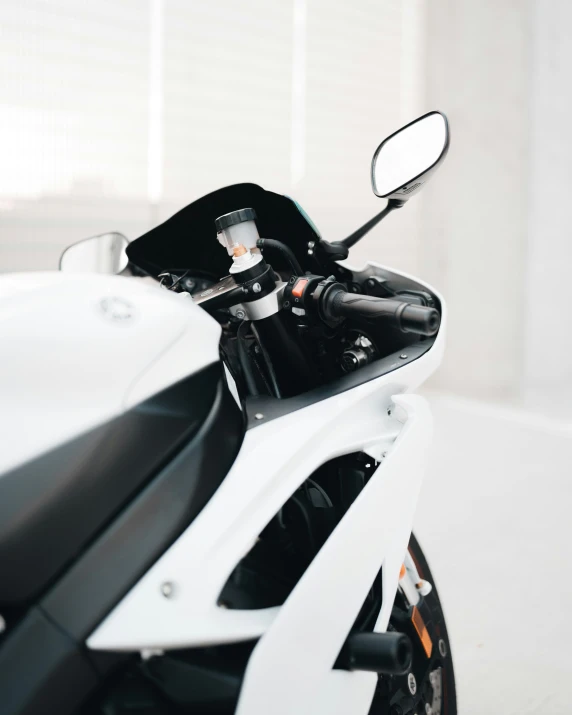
151	522
42	671
271	408
51	507
44	665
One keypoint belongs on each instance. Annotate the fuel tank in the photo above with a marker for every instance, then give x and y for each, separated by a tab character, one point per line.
77	350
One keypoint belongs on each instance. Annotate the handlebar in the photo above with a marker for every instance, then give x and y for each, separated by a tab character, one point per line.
336	302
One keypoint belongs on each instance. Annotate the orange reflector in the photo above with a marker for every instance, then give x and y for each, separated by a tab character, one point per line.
402	572
422	632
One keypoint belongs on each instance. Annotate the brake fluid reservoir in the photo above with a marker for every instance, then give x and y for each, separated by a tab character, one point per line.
237	228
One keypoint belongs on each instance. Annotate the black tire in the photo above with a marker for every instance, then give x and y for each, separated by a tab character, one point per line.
389	699
449	688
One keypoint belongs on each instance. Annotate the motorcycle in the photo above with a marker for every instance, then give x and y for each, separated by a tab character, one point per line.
208	484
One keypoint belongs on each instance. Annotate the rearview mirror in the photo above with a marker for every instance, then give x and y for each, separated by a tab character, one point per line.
405	160
98	254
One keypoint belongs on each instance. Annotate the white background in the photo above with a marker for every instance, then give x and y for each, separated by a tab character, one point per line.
114	114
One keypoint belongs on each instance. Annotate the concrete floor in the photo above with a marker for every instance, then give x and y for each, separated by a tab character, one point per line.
494	520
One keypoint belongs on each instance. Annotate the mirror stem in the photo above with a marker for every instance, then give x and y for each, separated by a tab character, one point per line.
353	238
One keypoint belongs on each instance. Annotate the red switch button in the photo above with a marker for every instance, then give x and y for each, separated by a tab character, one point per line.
299	287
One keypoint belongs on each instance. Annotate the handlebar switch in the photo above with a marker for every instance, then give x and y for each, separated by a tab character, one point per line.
298	287
298	293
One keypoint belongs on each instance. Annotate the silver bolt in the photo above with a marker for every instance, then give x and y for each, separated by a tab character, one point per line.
256	288
403	356
310	252
240	314
442	648
2	624
258	416
411	683
311	244
428	709
167	589
148	653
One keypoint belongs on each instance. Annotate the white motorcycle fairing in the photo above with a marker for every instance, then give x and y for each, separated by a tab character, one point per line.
80	349
174	605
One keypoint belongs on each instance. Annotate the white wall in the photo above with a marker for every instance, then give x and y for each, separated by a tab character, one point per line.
73	125
474	216
495	221
115	114
548	321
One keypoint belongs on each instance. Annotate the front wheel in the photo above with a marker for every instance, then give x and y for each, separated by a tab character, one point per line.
429	687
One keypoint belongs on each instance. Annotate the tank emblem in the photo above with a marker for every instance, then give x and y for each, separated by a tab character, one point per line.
117	310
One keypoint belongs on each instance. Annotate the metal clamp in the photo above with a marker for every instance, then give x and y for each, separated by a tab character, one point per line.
263	307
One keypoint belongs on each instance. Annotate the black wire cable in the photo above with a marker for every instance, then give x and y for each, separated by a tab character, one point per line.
284	250
258	360
268	364
244	359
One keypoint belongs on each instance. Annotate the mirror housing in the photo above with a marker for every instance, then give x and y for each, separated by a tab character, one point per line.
408	158
98	254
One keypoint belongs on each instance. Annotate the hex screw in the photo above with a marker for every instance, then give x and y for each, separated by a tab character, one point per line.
442	648
411	683
240	314
256	288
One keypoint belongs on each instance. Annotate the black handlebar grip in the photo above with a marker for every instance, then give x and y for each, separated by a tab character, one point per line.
407	317
419	319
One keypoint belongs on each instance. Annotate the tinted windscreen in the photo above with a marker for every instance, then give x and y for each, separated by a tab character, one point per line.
188	239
